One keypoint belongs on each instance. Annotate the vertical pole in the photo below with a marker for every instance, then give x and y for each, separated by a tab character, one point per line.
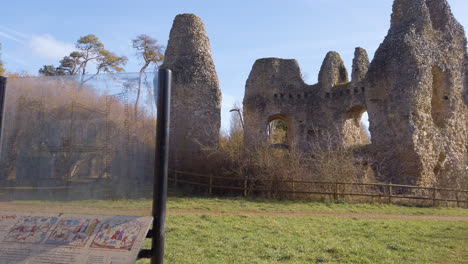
210	190
293	189
2	102
433	196
381	192
2	108
466	199
245	187
161	165
390	193
335	191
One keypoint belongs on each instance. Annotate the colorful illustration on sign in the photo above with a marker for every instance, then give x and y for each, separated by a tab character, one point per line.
117	234
30	229
73	232
5	217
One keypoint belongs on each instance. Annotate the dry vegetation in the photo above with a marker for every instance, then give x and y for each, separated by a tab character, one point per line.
274	168
64	129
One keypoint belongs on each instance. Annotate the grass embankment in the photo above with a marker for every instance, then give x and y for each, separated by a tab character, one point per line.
214	230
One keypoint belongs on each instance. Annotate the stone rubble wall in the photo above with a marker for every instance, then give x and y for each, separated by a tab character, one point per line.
196	96
415	91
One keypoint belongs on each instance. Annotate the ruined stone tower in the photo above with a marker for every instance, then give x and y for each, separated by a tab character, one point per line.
418	117
196	97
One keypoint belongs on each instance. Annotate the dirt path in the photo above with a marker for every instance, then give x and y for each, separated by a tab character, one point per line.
6	206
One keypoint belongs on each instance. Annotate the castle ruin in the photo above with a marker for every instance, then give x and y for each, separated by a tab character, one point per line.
415	91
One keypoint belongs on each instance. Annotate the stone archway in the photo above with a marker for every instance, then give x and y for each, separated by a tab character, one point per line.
280	131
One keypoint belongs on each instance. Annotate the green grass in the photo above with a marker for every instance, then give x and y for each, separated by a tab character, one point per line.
255	205
263	205
210	237
267	239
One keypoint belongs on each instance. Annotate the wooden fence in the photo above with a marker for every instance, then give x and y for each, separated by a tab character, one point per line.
336	191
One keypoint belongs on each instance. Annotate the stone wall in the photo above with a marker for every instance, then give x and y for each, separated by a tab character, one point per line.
324	113
418	118
196	97
415	91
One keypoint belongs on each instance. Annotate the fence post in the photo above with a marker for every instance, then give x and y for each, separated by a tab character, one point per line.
456	197
466	200
210	190
335	192
293	189
433	196
245	187
389	193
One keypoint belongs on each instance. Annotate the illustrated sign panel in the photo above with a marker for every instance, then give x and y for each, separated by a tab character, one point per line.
34	238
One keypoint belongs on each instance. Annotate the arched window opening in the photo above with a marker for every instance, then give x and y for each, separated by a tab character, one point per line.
277	132
356	127
365	125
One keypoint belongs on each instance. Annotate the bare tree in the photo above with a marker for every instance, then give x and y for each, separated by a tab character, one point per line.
151	52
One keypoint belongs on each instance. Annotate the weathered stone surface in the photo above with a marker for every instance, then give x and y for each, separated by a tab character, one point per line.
196	97
333	71
360	65
416	92
274	90
314	114
418	119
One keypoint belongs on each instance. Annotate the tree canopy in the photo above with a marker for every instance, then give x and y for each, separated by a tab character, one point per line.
89	51
149	50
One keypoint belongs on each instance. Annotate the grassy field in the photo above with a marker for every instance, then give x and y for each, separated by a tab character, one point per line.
229	205
216	230
260	239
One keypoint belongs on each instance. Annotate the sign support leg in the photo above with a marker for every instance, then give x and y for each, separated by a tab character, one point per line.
161	165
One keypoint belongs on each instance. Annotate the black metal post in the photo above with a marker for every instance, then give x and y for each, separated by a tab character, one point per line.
2	102
162	165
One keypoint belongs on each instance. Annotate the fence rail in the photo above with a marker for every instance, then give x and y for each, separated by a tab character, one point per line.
383	192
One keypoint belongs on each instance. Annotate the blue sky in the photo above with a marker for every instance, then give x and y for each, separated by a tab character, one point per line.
34	33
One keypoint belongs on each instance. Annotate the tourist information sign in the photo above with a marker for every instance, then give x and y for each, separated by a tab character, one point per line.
35	238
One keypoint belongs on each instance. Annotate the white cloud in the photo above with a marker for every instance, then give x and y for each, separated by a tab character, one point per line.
12	32
48	47
9	36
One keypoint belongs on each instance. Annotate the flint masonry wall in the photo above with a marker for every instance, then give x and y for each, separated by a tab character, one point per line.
418	119
415	91
196	97
326	112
